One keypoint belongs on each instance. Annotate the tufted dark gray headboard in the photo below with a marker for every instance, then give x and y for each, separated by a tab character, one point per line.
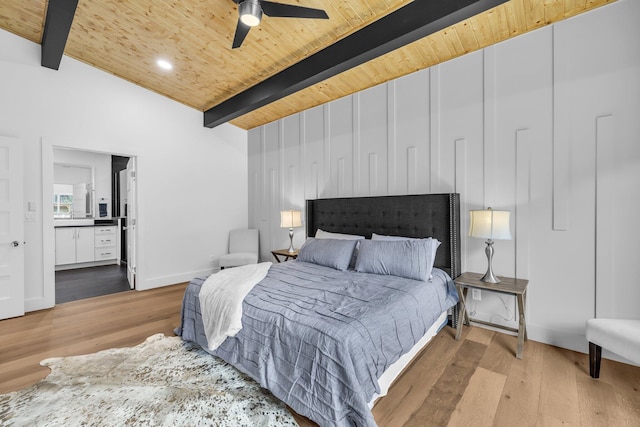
422	215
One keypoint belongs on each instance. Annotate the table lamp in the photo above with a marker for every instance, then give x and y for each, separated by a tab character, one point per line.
489	224
290	219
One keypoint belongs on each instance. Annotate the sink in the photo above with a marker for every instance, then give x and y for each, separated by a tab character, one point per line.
72	222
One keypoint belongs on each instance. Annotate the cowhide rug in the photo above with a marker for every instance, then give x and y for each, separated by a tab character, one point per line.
161	382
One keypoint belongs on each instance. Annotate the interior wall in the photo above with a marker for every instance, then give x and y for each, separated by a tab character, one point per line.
543	125
192	181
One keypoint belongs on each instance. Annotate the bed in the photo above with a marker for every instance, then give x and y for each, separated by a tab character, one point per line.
328	342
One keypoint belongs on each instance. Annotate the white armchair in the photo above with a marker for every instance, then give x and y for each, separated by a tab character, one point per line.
621	336
243	248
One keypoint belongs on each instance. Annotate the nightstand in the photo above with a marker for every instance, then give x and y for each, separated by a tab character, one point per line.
284	253
508	285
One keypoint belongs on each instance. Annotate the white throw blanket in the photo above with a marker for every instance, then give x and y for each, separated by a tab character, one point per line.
221	299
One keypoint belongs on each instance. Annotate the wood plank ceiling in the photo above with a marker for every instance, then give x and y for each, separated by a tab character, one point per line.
126	38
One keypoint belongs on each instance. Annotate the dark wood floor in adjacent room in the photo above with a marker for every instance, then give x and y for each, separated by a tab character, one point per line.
89	282
476	381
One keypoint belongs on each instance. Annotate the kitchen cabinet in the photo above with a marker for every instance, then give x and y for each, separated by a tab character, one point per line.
75	245
105	242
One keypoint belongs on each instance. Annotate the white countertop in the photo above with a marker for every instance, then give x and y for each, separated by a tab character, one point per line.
73	222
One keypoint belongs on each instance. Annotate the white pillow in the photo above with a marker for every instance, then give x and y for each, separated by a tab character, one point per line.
375	236
321	234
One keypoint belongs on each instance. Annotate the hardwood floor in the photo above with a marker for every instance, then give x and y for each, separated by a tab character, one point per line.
81	283
80	327
475	381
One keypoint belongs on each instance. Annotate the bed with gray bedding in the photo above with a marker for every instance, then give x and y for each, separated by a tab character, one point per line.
319	338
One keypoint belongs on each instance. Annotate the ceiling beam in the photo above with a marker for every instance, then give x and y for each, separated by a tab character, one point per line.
56	31
412	22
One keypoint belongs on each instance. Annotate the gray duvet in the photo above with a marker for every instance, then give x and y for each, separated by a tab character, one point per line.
319	338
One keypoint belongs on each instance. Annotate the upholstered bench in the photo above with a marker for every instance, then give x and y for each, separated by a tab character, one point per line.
621	336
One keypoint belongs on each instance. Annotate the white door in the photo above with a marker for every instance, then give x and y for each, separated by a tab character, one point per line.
11	229
131	222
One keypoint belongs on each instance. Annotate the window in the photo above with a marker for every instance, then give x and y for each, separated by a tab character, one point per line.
63	201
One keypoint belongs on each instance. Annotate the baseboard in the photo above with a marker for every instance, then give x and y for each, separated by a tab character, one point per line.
570	341
36	304
158	282
558	338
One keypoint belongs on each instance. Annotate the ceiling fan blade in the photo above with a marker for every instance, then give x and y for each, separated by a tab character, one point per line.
241	32
291	11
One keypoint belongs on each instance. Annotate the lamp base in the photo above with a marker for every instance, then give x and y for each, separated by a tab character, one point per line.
489	277
291	248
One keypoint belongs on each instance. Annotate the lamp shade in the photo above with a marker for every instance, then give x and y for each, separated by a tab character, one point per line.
290	219
490	224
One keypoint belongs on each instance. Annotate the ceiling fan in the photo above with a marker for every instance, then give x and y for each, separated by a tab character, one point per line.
250	12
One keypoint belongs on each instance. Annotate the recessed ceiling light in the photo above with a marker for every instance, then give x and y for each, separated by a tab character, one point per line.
165	65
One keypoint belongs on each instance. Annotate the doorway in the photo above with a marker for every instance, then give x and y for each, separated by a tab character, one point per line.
108	265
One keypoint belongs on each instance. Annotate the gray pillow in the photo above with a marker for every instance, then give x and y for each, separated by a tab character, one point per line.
434	246
321	234
403	258
334	253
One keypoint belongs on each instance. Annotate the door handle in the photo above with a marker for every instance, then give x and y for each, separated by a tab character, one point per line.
15	243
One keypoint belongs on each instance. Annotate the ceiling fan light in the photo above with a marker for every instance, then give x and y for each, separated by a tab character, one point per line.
250	12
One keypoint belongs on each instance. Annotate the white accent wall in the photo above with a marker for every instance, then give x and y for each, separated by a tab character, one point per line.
546	125
192	181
